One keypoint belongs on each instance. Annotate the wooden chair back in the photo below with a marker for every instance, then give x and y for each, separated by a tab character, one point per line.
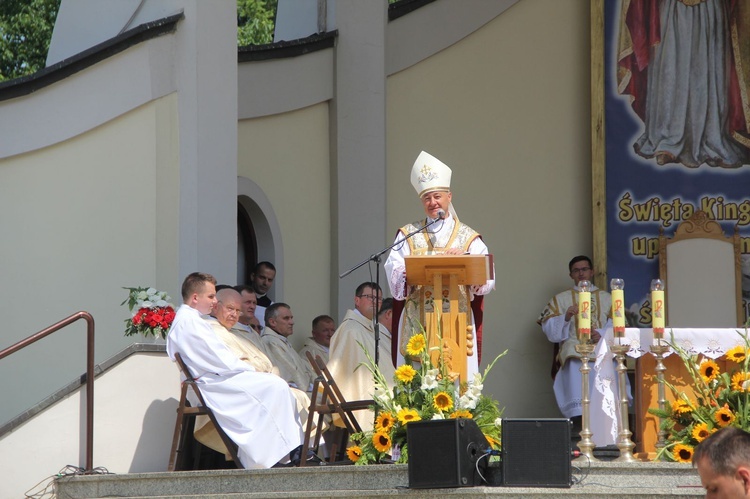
328	399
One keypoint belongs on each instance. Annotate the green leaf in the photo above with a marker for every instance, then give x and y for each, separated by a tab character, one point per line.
25	34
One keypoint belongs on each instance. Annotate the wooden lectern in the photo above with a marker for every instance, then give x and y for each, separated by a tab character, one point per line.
440	312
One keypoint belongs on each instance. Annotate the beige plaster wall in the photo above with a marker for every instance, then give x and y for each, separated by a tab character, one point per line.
508	109
287	156
133	427
80	220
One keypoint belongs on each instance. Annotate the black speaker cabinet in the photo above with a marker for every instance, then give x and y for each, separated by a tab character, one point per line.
536	452
443	453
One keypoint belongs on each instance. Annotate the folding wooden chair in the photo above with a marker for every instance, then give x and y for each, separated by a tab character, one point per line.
185	411
331	402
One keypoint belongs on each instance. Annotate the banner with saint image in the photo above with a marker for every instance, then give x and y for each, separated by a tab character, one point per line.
677	122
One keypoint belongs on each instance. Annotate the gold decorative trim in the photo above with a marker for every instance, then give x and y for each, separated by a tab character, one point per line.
691	3
745	141
699	225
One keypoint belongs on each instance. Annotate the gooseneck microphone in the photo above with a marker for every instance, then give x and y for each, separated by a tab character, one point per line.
441	215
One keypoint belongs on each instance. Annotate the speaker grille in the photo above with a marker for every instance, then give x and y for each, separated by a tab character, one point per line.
536	452
443	453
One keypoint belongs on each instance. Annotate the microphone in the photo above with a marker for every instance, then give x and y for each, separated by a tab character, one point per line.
441	215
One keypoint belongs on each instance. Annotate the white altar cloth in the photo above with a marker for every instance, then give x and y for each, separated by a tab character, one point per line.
711	342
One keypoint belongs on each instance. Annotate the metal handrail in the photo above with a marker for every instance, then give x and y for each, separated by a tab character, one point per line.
89	380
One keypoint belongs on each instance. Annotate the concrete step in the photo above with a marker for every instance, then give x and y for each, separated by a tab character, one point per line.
600	479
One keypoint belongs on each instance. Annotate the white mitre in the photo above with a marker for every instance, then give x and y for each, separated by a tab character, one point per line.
429	174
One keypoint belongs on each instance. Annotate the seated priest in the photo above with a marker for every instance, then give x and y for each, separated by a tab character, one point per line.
318	344
279	327
248	324
255	409
353	341
223	320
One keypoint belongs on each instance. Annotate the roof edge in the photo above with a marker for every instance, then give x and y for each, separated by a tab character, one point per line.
284	48
28	84
403	7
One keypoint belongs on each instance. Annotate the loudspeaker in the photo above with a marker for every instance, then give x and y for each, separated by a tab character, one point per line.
443	453
536	453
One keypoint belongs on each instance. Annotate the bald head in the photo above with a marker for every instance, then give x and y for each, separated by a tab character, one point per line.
228	308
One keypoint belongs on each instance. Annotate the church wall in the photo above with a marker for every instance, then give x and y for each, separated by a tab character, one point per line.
106	90
108	183
435	26
508	109
135	405
80	220
280	85
287	156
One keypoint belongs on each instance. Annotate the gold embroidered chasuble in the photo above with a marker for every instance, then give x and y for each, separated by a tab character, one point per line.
421	299
601	310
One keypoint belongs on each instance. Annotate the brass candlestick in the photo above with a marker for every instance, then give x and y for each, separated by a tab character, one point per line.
624	443
659	350
586	445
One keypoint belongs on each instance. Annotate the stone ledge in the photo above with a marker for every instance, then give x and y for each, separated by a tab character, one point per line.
603	479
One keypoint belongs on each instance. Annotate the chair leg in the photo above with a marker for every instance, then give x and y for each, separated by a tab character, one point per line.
319	430
177	427
308	430
308	433
175	443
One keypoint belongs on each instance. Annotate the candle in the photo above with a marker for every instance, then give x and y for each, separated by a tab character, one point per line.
658	308
618	306
584	311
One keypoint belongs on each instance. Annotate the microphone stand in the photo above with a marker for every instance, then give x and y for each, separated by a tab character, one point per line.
376	258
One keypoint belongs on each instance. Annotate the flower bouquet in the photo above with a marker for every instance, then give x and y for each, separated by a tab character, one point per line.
151	312
721	399
421	394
